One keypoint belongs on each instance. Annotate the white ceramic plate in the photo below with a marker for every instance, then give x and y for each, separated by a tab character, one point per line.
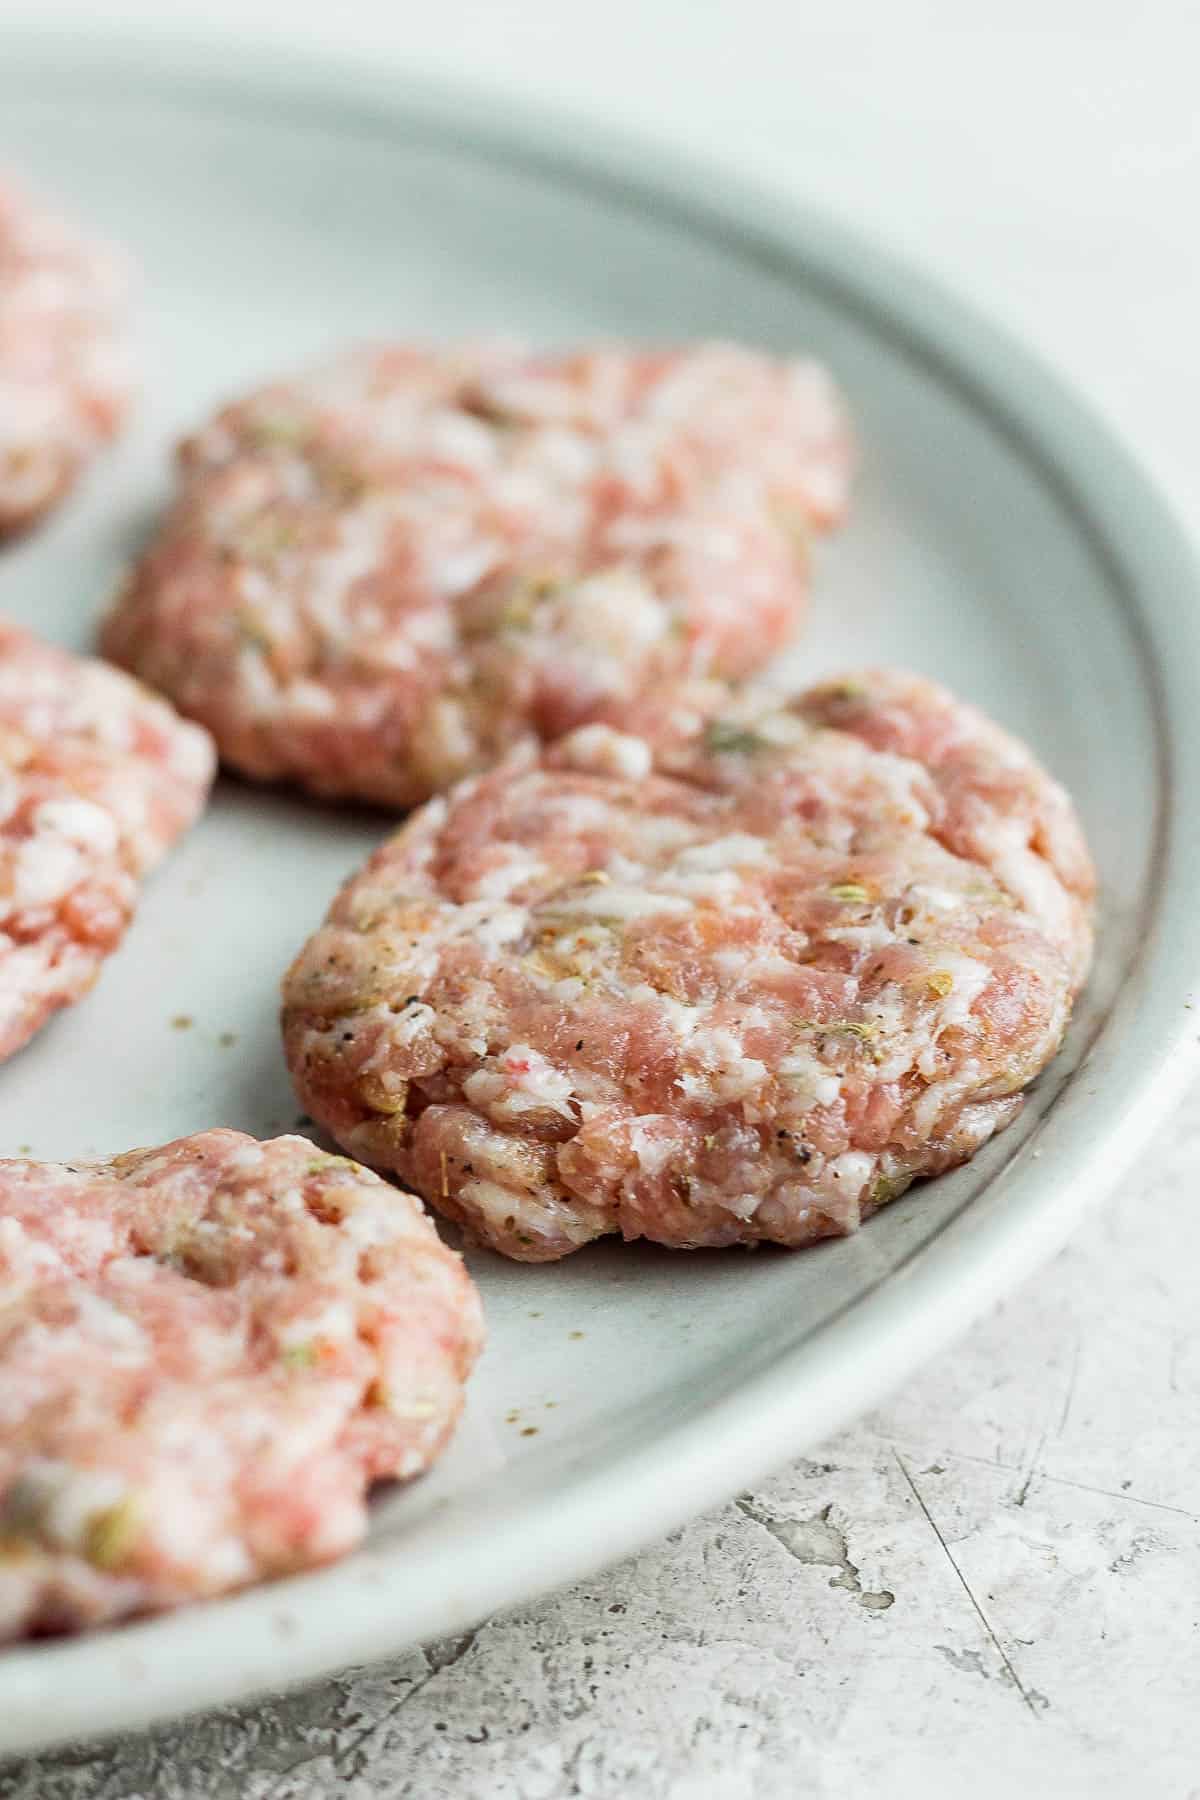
1000	541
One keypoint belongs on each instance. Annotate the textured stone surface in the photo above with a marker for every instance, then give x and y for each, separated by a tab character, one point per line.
991	1583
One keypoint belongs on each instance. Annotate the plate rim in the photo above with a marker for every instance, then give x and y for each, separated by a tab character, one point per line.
52	1694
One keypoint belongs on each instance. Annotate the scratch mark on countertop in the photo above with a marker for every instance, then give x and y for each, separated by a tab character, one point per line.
1173	1362
1084	1487
444	1654
966	1587
1072	1381
1031	1473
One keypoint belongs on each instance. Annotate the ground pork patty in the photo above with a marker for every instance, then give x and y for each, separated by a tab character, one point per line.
738	972
208	1352
98	777
64	381
379	577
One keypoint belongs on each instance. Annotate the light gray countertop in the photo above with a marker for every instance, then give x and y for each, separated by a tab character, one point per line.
988	1587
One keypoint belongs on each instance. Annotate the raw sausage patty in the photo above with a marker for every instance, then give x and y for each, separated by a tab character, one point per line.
739	971
64	384
208	1352
380	576
98	777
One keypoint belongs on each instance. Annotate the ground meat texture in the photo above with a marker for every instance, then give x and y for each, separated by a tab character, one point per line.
739	971
64	383
208	1353
98	777
382	576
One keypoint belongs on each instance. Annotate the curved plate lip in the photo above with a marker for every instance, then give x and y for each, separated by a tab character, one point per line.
378	1602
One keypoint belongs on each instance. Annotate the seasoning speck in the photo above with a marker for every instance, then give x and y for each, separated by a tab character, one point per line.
182	1022
723	737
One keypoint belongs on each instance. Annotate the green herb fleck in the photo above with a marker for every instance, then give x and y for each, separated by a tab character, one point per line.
889	1187
277	431
251	634
796	525
110	1535
266	537
345	483
524	597
855	1028
724	737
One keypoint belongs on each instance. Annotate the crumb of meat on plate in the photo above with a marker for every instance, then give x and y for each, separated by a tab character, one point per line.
64	377
381	575
740	970
98	778
209	1352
